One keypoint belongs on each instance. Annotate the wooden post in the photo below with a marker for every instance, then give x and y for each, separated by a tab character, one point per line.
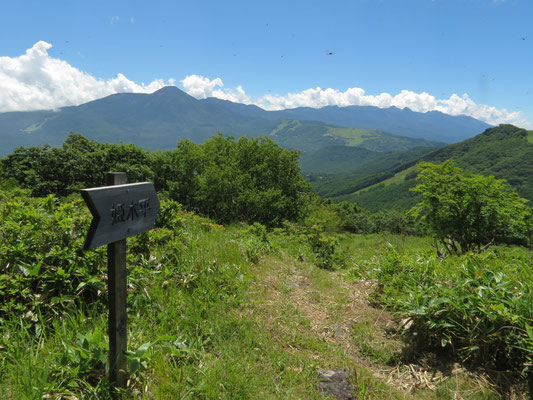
119	211
116	272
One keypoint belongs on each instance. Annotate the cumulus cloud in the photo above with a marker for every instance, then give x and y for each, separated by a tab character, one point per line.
202	87
419	102
36	81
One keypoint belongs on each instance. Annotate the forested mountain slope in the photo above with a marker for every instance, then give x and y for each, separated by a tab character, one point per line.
505	151
326	149
153	121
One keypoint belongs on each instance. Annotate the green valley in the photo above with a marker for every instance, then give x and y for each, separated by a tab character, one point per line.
504	151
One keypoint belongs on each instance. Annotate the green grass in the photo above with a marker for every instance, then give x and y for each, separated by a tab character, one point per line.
219	313
36	126
354	136
395	179
476	308
368	345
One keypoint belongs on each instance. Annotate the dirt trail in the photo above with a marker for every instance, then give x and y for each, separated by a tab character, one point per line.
337	327
339	312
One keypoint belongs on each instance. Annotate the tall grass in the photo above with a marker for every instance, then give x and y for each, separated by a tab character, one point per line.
478	307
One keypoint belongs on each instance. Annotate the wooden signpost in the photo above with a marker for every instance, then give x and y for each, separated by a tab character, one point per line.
119	210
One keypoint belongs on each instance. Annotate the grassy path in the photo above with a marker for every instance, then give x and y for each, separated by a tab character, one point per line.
322	320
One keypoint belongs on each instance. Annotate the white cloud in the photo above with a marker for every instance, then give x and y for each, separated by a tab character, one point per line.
202	87
36	81
457	105
114	19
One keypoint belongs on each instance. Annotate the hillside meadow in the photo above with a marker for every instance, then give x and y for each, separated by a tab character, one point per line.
504	151
249	304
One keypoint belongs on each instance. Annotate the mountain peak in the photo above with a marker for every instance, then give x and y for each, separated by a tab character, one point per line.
504	131
169	91
171	96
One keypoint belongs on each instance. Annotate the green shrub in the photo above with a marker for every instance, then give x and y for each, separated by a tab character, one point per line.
250	180
257	242
482	315
395	220
42	266
355	219
324	213
323	247
85	359
476	307
182	277
467	212
79	163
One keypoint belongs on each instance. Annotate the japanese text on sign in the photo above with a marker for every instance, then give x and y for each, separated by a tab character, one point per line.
134	210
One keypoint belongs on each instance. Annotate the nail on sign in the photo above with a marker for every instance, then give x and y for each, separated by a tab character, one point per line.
119	211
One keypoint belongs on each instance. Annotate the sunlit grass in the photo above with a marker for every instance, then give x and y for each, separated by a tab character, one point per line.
354	136
218	325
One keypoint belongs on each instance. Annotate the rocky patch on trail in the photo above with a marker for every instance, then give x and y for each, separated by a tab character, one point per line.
335	383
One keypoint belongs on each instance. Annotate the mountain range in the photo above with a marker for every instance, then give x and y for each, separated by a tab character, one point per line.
159	120
361	154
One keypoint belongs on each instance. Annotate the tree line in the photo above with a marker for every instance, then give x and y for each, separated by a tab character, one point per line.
254	180
251	180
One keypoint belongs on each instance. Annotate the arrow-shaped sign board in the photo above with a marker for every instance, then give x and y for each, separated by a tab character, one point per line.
119	211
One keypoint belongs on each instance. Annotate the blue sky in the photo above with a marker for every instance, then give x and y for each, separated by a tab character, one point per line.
456	56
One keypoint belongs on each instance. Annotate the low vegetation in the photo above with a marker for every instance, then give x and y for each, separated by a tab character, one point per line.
227	305
475	306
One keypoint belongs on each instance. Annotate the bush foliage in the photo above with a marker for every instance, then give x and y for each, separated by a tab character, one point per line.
42	266
252	180
467	212
478	307
52	314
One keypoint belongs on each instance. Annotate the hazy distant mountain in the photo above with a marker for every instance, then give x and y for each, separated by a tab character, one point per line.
432	125
159	120
154	121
